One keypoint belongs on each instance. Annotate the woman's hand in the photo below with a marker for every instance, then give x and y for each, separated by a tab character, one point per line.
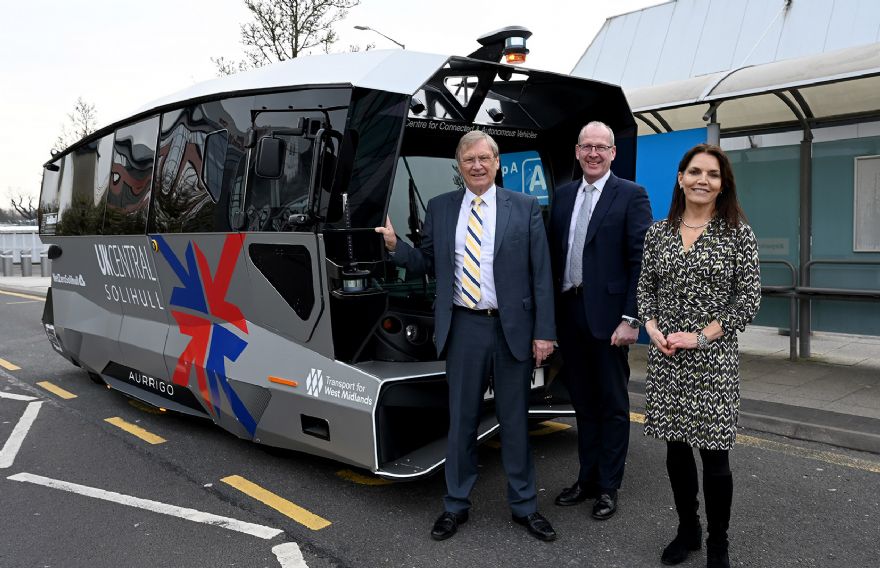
682	340
658	339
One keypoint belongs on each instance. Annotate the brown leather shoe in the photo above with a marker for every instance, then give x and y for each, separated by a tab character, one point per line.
447	523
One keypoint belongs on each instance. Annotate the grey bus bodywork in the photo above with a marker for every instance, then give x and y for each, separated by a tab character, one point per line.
214	253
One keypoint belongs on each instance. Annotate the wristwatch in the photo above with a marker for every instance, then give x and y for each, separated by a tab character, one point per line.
702	341
632	322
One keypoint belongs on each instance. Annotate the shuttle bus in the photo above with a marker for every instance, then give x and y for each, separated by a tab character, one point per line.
214	253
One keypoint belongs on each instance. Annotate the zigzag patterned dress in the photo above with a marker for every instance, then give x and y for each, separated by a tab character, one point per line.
693	396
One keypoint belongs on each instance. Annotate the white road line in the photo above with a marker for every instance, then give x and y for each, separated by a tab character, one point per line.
13	396
13	444
289	555
259	531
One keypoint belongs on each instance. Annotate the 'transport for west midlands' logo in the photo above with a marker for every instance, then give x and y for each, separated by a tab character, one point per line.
314	382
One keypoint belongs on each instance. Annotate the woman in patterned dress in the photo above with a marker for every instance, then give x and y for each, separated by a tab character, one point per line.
699	285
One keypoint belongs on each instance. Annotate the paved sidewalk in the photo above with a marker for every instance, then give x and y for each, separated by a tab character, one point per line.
834	397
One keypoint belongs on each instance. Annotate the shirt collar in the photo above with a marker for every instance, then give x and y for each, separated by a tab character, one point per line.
488	197
600	183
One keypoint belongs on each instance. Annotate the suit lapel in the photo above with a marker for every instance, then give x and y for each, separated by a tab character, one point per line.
609	192
502	215
450	221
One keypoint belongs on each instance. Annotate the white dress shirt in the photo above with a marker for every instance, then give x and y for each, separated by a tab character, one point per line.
488	299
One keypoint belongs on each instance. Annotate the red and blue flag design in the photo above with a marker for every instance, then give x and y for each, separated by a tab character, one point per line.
211	344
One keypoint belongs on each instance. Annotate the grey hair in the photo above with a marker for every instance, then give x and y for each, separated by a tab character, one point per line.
472	138
600	124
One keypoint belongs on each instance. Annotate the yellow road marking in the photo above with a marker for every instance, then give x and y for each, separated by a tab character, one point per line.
56	390
280	504
549	427
791	450
358	478
818	455
8	366
26	296
136	430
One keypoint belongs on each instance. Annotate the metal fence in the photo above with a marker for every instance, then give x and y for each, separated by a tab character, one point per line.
21	245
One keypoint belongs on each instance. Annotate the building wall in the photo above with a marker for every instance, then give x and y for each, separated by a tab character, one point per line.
768	186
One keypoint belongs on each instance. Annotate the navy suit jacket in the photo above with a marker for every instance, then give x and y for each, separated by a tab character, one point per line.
612	250
522	273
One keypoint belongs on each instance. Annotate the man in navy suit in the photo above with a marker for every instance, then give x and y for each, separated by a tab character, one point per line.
487	248
597	230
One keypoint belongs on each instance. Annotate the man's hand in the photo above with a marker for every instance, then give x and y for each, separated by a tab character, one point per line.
541	349
387	233
624	335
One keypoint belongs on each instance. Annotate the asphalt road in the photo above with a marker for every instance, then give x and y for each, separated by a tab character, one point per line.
74	492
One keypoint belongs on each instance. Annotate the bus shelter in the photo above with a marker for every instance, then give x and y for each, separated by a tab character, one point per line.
804	96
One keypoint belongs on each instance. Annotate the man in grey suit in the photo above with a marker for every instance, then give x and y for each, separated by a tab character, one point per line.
474	240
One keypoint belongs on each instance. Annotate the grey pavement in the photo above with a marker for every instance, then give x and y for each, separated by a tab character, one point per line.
833	397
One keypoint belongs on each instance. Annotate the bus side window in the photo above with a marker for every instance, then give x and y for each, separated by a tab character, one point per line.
131	178
86	178
184	201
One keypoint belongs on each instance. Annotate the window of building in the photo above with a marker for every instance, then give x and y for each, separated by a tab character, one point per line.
866	215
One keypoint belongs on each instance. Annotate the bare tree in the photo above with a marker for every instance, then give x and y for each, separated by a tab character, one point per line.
81	122
285	29
28	211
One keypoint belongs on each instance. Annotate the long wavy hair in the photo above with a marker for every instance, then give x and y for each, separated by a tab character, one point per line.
727	205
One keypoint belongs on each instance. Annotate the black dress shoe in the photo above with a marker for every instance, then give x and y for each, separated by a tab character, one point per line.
575	494
605	506
447	523
537	525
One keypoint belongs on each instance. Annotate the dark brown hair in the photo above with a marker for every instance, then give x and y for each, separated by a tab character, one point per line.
727	205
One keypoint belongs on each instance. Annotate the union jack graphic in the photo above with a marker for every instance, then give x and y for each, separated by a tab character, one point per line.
212	343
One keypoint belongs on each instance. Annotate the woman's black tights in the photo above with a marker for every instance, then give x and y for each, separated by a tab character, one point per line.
717	489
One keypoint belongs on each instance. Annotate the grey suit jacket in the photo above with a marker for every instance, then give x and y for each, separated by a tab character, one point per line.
523	278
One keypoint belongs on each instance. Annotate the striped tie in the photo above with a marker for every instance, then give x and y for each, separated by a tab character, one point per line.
470	279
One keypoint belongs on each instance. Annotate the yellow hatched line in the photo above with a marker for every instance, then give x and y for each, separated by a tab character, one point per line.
280	504
18	295
8	366
360	479
136	430
788	449
549	427
56	390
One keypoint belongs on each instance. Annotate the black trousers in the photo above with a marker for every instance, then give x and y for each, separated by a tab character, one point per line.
596	374
477	347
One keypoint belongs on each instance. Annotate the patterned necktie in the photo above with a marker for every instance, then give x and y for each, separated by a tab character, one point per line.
576	258
470	279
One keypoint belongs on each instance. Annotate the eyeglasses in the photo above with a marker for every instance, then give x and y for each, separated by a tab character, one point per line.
484	160
593	148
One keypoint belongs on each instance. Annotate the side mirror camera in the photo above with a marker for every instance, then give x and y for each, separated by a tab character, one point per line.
270	157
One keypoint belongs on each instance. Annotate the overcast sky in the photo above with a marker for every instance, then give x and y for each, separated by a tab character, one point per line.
121	54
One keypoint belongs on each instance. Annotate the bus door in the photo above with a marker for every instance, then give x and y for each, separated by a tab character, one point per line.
292	160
